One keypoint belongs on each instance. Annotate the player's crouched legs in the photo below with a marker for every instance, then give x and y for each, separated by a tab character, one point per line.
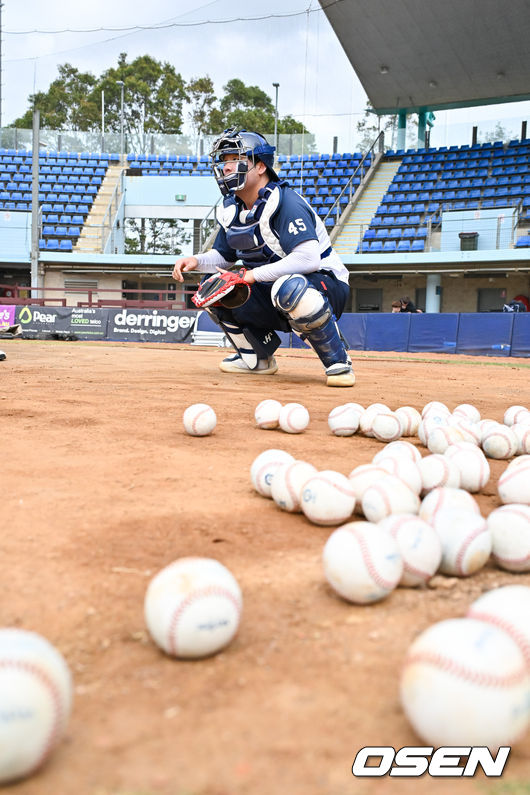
254	347
309	314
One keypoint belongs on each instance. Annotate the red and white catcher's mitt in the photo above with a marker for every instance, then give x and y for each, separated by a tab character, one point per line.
227	289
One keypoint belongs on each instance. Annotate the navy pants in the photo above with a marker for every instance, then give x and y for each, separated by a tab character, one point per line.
260	313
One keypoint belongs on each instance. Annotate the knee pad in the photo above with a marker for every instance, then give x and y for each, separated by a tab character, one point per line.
304	306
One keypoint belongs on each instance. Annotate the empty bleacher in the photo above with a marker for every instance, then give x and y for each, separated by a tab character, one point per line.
431	181
68	184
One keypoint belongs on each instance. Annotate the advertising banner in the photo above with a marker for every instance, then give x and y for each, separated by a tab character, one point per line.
62	322
151	325
7	316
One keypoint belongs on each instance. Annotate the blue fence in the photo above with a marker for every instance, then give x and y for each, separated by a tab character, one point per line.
480	334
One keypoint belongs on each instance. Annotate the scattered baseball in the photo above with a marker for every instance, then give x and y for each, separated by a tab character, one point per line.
445	498
399	450
288	482
405	470
435	407
499	442
362	562
419	545
36	699
465	682
386	427
293	418
389	495
507	608
514	483
439	439
328	498
510	531
267	414
263	468
410	418
470	431
438	470
467	411
344	420
367	417
522	435
361	478
199	419
510	415
192	607
466	541
472	465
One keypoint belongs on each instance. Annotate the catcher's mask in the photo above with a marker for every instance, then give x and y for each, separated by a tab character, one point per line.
249	147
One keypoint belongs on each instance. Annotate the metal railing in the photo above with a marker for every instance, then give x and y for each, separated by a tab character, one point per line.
21	295
361	172
208	225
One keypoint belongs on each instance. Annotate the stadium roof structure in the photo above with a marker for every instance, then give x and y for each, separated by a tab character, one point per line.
424	55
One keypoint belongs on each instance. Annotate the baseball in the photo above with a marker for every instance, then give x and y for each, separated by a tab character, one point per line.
428	425
410	418
514	484
470	431
508	609
293	418
467	411
362	562
466	541
499	442
267	414
263	468
389	495
522	460
510	531
405	470
472	465
438	470
367	417
435	407
199	419
344	420
288	482
419	545
399	450
386	427
328	498
484	426
439	439
465	682
522	435
192	607
445	498
36	699
361	478
510	415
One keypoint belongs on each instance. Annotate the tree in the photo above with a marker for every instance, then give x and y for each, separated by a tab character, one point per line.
154	95
201	98
155	236
249	108
68	104
499	133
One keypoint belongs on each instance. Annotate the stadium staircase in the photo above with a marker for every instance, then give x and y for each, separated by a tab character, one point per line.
365	208
93	233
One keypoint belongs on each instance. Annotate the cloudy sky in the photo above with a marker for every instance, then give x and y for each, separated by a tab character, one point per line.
285	41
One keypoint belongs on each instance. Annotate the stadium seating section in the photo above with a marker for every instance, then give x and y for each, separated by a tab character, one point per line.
428	181
68	184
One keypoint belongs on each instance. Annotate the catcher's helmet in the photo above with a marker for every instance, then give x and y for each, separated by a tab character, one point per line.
245	144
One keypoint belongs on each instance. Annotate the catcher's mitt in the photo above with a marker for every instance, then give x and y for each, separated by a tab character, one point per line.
225	289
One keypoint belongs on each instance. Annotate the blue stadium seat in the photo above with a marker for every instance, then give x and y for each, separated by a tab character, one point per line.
376	246
403	245
418	245
65	245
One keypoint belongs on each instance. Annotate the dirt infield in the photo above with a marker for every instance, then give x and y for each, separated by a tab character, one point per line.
101	488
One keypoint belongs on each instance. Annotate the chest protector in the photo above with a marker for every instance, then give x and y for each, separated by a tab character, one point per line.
249	232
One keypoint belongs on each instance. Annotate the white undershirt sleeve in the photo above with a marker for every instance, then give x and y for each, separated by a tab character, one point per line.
305	258
209	260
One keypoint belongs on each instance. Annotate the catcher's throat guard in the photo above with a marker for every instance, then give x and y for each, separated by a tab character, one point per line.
226	289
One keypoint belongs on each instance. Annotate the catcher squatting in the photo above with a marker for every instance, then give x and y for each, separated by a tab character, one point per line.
291	278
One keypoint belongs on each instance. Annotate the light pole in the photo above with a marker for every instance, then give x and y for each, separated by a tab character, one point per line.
276	86
122	84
